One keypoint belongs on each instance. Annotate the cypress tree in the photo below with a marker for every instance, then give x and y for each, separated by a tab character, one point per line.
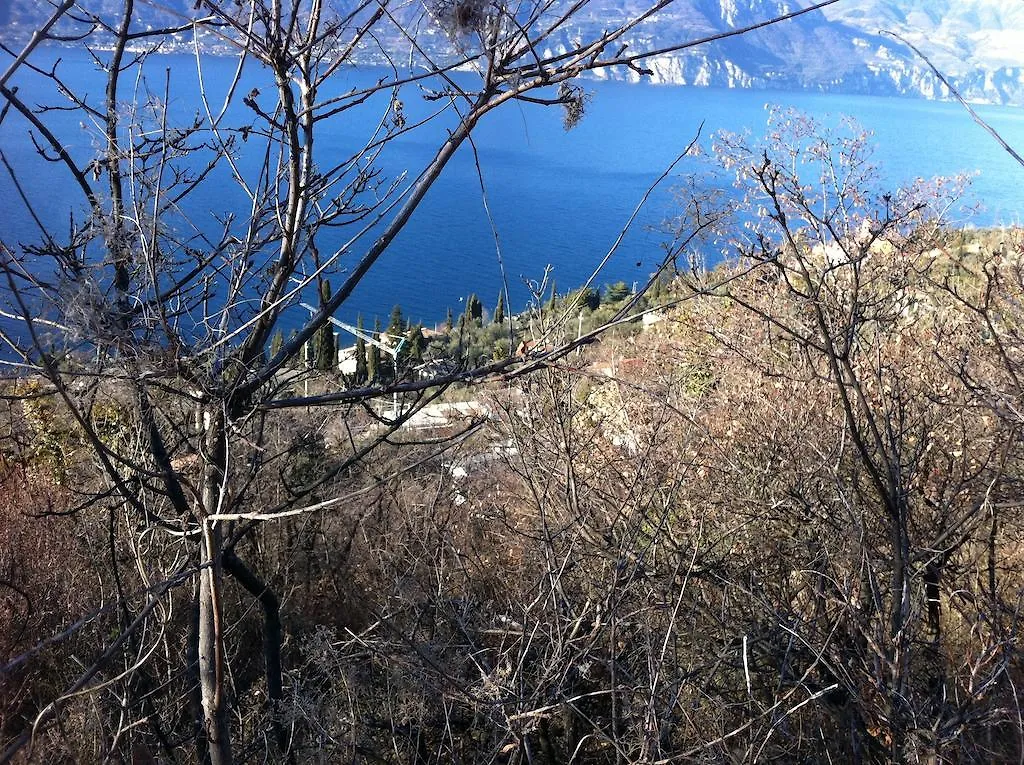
291	359
474	309
396	326
416	343
373	370
460	346
450	323
554	296
326	357
396	333
659	290
276	343
499	308
590	299
361	372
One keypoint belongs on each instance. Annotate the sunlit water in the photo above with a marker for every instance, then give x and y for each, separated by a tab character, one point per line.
557	198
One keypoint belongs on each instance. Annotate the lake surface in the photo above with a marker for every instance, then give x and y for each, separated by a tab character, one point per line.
558	198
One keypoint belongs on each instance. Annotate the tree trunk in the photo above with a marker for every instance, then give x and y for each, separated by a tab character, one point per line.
195	696
245	576
212	664
211	651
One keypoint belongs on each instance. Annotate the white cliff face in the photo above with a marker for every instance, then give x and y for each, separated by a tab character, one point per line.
1004	86
979	44
957	35
729	12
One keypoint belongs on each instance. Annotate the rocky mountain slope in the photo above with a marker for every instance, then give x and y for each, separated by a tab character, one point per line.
979	44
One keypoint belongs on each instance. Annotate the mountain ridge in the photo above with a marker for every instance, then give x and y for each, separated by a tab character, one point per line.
977	44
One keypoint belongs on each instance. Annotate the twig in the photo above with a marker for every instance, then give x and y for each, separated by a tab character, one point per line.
956	94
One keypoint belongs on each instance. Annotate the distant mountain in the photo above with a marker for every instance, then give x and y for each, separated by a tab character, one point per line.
959	34
979	44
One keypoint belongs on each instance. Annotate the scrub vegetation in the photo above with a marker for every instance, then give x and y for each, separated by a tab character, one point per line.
761	509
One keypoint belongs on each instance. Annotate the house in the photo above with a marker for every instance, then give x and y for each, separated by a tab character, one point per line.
347	360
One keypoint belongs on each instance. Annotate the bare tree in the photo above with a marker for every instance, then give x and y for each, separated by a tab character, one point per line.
870	488
150	327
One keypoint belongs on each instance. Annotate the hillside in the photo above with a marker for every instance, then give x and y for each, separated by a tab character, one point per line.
762	512
838	49
841	49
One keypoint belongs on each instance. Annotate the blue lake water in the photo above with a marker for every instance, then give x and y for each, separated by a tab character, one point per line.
558	198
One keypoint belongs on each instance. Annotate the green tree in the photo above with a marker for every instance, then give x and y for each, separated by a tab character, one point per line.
394	335
326	356
499	308
474	309
361	373
291	361
449	323
587	297
660	289
415	344
373	367
396	326
553	299
616	293
276	343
